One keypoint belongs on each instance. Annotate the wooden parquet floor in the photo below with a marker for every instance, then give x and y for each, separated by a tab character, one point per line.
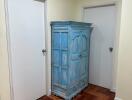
92	92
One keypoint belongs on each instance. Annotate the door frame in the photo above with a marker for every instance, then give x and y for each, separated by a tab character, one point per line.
117	4
9	46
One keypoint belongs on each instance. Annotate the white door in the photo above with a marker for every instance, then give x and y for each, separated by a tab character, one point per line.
27	39
102	40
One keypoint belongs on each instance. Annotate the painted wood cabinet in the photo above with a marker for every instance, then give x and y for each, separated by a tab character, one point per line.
70	57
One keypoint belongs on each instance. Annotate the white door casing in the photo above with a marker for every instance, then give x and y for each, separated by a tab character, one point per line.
102	38
26	21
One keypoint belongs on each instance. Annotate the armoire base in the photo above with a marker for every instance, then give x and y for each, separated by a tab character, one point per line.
60	94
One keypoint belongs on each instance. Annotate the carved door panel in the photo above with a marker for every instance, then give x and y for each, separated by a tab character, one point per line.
75	56
84	54
79	55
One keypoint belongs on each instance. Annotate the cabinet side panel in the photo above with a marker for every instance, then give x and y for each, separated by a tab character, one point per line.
59	59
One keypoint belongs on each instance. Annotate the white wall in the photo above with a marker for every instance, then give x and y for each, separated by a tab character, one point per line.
124	80
4	69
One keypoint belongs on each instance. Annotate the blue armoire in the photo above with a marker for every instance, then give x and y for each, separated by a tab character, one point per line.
70	57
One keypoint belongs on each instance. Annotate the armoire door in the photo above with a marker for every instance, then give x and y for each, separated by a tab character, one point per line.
84	54
79	55
75	51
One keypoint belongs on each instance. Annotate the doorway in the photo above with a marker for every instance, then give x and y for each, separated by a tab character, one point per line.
102	43
26	43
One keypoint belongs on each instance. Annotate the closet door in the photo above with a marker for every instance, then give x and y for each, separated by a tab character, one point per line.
102	40
27	39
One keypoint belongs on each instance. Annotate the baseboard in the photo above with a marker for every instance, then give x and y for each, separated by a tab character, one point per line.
116	98
49	92
113	90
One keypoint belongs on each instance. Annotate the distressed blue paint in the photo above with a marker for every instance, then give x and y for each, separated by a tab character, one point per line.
70	57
